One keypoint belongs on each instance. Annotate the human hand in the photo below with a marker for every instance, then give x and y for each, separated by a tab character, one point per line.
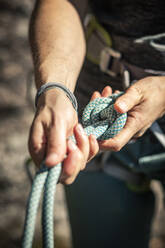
145	102
55	120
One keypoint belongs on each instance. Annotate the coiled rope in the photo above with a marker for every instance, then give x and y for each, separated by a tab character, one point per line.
99	118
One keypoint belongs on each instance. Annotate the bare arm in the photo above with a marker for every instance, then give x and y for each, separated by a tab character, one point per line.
58	49
57	42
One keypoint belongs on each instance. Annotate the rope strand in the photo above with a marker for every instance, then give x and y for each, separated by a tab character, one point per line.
99	118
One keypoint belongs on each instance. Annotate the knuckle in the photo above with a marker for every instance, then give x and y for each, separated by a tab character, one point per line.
69	174
81	159
80	156
149	79
84	138
135	90
138	135
51	148
33	146
139	120
69	181
116	147
94	151
51	143
83	166
55	144
93	146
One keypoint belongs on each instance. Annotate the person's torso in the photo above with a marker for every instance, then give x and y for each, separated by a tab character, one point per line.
128	20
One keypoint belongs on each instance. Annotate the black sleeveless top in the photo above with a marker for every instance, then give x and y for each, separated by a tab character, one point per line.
127	20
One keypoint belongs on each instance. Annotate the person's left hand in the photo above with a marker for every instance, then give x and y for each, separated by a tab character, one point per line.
145	102
54	122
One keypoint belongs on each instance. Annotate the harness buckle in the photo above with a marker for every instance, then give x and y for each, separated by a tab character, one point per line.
101	53
110	61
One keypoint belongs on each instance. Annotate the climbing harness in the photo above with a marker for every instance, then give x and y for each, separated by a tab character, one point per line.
99	118
155	41
111	61
101	52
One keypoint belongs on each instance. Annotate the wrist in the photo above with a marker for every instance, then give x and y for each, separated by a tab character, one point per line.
49	97
51	91
46	73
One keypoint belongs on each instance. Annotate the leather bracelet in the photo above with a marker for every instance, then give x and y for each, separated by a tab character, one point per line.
52	85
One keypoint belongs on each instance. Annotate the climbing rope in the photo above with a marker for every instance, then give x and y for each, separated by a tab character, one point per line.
100	119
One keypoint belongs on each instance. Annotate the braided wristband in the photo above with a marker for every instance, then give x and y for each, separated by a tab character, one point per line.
49	86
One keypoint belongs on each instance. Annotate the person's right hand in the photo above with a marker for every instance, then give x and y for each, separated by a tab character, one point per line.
55	120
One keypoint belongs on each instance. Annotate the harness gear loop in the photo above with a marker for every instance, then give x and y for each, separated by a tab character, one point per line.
92	26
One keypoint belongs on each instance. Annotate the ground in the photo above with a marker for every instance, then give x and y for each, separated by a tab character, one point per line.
16	114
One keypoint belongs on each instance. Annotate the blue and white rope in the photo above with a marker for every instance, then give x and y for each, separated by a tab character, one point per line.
99	118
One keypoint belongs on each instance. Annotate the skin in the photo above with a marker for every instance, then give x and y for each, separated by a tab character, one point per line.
56	60
145	102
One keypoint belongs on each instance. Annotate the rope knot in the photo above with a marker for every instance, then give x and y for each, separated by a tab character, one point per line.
101	119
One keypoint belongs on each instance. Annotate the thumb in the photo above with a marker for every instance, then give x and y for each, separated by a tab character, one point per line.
129	99
56	145
37	142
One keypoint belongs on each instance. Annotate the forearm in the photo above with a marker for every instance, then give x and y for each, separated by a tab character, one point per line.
57	42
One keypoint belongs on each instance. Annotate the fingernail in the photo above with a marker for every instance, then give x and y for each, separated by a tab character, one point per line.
122	106
80	129
72	145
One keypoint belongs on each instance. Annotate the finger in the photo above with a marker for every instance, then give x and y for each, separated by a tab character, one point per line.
95	95
37	142
129	99
117	91
141	132
56	144
107	91
122	138
94	147
82	141
71	165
